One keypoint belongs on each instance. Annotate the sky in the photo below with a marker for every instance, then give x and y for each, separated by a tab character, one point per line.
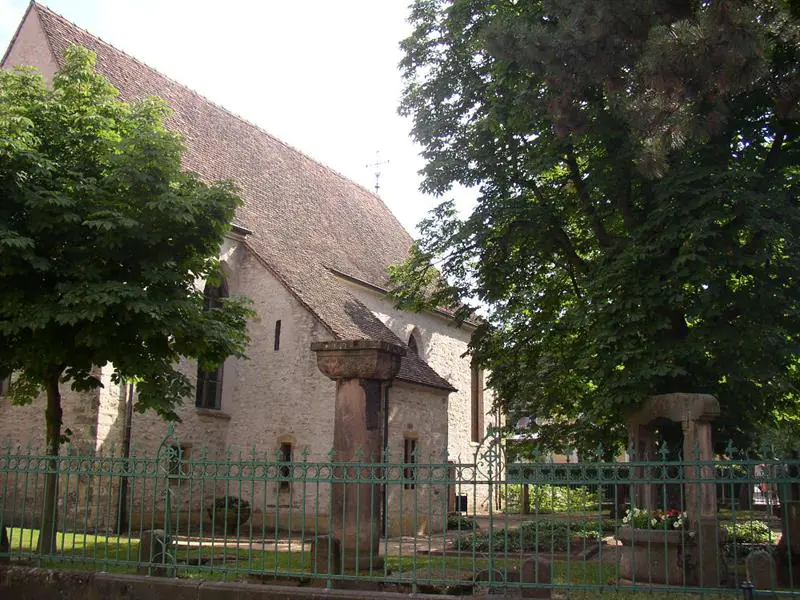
321	75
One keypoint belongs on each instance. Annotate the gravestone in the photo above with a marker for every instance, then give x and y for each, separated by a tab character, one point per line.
491	575
327	553
760	568
154	548
536	570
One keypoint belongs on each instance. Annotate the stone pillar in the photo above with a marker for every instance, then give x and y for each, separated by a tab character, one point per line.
709	567
643	495
359	367
701	492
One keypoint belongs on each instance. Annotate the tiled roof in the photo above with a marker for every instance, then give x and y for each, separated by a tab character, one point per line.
302	214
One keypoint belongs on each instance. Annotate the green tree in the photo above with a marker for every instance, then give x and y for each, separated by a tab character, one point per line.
102	237
637	226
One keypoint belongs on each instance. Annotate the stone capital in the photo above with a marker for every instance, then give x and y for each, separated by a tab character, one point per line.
358	359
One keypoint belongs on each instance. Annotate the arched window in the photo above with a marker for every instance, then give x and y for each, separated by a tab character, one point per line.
209	383
413	342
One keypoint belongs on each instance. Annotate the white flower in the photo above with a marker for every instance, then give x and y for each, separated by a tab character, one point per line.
626	520
676	524
653	522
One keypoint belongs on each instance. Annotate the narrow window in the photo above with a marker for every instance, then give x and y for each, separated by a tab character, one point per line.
409	460
477	404
277	335
286	468
209	383
414	341
5	385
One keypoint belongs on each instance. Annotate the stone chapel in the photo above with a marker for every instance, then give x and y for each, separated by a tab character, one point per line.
311	249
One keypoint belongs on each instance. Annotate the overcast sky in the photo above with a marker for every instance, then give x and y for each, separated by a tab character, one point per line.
320	75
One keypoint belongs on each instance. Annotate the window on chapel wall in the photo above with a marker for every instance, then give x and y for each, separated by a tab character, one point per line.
410	462
5	384
477	410
286	457
209	383
413	342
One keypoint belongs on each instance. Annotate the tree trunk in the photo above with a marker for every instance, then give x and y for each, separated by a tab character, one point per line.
526	499
53	414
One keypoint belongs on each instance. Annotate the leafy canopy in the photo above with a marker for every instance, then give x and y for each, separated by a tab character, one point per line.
102	238
637	227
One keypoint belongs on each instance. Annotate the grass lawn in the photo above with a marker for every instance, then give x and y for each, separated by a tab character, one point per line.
109	553
120	554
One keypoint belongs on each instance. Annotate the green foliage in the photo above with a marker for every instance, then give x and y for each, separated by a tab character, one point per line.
745	537
459	523
749	532
102	237
544	535
636	230
552	499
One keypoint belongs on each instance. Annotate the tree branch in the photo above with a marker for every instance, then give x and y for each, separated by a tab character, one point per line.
774	152
562	238
603	238
624	201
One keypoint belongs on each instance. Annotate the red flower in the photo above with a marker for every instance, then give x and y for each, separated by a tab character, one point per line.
673	512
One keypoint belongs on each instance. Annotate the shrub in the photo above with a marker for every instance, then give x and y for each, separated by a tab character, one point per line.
552	498
231	504
544	535
749	532
746	536
460	523
229	512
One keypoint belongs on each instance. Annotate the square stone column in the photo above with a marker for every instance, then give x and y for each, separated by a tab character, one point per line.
360	369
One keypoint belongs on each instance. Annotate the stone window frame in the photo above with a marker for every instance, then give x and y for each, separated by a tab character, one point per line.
414	341
477	408
286	446
207	381
410	456
277	341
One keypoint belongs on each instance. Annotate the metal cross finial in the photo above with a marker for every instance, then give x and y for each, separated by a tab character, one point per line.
377	166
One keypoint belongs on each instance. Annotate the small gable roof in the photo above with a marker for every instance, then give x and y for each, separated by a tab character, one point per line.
304	217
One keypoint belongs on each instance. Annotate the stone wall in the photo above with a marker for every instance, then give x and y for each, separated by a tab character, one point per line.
22	434
272	397
420	504
32	48
442	345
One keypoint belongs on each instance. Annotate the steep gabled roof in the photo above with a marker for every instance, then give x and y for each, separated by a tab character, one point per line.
304	217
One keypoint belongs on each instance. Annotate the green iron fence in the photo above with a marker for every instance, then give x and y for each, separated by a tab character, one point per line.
581	528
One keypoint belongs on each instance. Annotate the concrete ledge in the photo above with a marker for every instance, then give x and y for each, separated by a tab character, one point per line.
26	583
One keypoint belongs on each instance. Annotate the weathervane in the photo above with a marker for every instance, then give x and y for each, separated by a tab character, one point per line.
377	165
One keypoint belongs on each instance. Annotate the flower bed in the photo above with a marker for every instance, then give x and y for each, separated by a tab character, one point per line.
641	518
